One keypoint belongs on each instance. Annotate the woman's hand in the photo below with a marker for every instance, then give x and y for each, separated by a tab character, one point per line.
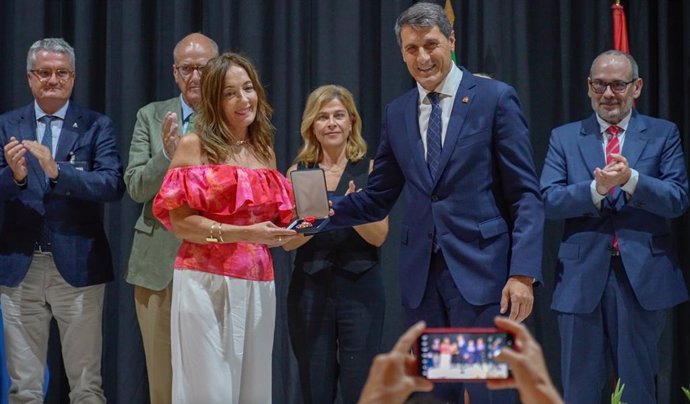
270	234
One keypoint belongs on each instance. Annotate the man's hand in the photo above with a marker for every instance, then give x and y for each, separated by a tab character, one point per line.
392	377
615	173
619	169
519	294
44	157
15	157
169	131
529	373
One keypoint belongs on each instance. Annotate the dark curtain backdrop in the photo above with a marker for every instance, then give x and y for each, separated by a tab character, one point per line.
542	47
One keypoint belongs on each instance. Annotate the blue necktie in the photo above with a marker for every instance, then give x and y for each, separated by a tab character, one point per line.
433	135
48	133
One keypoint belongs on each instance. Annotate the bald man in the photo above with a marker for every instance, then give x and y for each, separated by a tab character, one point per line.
616	179
158	126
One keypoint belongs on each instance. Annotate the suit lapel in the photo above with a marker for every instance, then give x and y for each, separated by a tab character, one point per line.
72	127
415	138
461	106
27	124
635	140
27	131
591	146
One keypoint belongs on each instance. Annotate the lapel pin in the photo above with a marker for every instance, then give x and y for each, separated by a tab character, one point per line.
465	99
74	125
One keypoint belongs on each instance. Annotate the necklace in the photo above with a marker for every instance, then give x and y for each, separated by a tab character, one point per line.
237	143
333	168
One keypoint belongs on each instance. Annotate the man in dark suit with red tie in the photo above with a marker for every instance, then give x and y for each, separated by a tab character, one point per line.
616	179
58	167
471	237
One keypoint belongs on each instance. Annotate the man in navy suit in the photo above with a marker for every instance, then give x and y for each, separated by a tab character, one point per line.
471	237
59	165
616	178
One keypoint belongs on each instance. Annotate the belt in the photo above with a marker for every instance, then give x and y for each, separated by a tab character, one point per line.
43	247
43	243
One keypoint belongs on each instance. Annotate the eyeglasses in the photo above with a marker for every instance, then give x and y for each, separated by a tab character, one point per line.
46	74
618	86
188	70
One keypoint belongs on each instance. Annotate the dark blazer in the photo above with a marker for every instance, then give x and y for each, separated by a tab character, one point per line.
70	209
653	148
485	203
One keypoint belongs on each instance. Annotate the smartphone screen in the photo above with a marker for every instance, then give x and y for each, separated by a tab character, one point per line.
462	354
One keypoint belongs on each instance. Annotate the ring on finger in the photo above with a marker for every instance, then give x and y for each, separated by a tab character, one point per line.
280	238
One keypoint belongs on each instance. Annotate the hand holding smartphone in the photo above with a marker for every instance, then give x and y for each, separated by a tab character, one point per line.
462	354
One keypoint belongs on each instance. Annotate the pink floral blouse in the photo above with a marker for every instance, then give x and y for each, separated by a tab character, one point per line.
227	194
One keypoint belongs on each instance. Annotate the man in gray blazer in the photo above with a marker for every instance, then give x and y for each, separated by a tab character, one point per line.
158	126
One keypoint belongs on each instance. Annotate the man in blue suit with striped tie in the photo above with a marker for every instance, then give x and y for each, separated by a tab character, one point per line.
616	179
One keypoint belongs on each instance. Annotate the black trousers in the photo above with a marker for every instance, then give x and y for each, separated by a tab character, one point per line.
335	319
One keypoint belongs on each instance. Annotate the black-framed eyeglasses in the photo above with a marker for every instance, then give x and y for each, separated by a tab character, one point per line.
618	86
46	74
188	70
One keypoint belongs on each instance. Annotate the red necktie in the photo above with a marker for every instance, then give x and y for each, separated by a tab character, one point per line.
613	146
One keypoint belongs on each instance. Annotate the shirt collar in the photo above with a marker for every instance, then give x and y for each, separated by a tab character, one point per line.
623	124
60	113
186	109
448	87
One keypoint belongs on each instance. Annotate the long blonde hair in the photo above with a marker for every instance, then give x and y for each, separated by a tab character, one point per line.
311	153
214	134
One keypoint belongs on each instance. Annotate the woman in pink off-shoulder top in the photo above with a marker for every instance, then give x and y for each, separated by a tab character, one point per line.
223	196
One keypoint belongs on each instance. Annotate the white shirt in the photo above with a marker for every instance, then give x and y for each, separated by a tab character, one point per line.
55	124
447	90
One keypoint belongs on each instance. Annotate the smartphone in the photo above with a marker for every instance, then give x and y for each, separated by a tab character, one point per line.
462	354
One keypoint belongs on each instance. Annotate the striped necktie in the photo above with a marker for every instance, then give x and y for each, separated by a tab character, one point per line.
433	135
613	146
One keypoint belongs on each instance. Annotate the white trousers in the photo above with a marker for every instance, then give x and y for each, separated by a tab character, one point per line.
222	339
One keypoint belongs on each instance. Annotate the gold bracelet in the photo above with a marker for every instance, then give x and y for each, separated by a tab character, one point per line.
211	238
220	232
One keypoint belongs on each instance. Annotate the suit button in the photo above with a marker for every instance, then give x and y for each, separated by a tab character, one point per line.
434	198
430	235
